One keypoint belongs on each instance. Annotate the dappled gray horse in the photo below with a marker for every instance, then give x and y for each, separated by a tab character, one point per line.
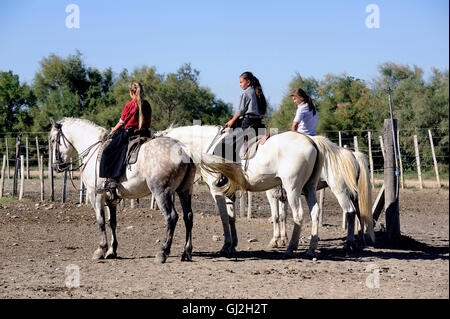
163	167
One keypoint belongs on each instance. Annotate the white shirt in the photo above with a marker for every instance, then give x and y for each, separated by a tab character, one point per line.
307	122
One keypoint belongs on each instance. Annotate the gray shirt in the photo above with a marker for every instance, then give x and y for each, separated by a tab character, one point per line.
248	103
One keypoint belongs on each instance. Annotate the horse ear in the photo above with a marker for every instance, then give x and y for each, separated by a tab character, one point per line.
52	121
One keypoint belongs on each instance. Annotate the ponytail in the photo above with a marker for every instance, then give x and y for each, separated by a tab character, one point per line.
254	83
138	90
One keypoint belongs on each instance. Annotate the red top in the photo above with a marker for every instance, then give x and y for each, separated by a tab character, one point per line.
130	116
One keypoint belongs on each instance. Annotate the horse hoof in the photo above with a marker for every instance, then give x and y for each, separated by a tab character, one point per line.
273	244
186	257
351	247
288	254
110	254
98	254
311	254
160	258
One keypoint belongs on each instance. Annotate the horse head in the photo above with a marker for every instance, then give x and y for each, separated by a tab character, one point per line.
62	149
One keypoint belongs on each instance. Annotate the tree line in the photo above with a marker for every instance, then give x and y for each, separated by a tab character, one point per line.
66	86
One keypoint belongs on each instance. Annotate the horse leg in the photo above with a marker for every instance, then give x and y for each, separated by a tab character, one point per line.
227	248
283	207
188	217
297	213
165	203
275	219
230	202
97	202
348	207
361	242
112	222
313	205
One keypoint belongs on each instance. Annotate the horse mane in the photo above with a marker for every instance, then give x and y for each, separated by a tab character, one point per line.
174	126
84	122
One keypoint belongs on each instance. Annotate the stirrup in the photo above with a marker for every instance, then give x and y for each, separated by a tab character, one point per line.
107	186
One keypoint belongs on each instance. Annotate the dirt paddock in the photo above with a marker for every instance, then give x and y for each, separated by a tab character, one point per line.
41	243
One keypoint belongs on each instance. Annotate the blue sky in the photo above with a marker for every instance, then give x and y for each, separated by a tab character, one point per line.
222	39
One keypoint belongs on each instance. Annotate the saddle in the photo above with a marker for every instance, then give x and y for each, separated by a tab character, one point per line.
134	144
248	151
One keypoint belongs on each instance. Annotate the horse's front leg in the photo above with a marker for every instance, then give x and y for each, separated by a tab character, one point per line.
97	202
112	222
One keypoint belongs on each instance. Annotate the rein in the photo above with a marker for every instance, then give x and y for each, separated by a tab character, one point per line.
219	133
81	155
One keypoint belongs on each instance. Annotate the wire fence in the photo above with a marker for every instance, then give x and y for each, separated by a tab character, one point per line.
359	139
34	143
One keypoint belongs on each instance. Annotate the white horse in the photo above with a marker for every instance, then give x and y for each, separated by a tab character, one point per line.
163	167
205	138
355	198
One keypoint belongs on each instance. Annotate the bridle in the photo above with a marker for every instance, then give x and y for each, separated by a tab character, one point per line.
61	166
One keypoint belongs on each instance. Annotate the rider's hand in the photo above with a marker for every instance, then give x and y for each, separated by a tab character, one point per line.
229	123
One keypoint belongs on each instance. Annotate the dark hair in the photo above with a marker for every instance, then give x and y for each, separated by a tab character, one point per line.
254	83
306	98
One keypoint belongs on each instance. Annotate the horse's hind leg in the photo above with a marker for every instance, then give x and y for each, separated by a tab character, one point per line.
231	211
166	204
112	222
311	199
297	213
349	209
188	217
275	219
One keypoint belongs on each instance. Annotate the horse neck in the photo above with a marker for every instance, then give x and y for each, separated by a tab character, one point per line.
82	135
195	137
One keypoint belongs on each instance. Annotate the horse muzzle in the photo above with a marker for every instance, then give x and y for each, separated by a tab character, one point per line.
60	167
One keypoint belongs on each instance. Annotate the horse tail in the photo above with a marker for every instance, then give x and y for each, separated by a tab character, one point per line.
237	179
340	161
365	194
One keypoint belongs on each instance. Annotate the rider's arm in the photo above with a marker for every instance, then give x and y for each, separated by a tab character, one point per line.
118	125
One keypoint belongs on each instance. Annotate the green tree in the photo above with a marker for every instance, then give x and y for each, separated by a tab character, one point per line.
16	101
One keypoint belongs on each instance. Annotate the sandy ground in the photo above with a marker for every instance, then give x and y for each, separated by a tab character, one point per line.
43	245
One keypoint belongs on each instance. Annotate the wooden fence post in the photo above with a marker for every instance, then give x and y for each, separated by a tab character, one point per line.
242	204
50	173
27	146
82	189
369	140
64	187
419	172
38	154
41	176
383	150
249	205
7	157
436	168
355	141
390	182
2	178
22	177
321	205
402	177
